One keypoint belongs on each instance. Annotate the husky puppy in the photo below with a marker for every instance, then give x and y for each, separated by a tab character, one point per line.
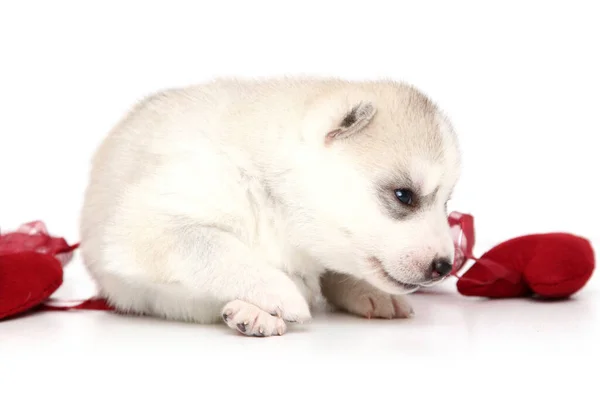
249	200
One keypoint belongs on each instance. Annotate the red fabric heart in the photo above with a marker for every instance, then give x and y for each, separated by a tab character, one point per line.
26	280
551	265
562	264
31	267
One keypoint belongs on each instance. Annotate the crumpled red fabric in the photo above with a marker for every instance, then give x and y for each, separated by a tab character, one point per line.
31	270
546	265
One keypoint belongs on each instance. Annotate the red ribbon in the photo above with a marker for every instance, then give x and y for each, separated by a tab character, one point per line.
93	303
462	227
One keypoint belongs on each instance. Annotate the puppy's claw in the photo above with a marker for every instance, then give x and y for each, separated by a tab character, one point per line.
242	327
226	315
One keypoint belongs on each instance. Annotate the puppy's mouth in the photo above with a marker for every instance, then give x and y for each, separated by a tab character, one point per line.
378	266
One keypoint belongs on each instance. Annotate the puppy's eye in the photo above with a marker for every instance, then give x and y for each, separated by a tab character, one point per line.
405	196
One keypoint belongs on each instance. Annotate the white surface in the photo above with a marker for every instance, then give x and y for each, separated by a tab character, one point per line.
502	347
519	80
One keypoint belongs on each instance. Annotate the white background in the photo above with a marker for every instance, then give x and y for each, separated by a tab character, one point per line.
520	81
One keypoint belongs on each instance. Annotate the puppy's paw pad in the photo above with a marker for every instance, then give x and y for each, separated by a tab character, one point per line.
250	320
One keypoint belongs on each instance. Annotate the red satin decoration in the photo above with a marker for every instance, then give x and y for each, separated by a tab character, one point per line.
550	265
27	279
31	270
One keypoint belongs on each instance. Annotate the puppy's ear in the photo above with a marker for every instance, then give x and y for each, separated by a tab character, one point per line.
354	121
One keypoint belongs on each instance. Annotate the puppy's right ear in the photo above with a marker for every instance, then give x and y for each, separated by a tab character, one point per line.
353	121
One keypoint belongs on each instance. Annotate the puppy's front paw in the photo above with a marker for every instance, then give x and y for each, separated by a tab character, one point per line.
382	305
361	298
250	320
282	299
290	308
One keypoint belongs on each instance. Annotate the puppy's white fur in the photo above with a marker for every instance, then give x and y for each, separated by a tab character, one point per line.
247	200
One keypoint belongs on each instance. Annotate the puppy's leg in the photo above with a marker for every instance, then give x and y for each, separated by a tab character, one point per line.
228	270
255	298
361	298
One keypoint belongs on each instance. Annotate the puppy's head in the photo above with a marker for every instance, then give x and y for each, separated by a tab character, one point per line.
376	188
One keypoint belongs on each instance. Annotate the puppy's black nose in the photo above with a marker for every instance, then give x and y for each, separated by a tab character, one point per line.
440	268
